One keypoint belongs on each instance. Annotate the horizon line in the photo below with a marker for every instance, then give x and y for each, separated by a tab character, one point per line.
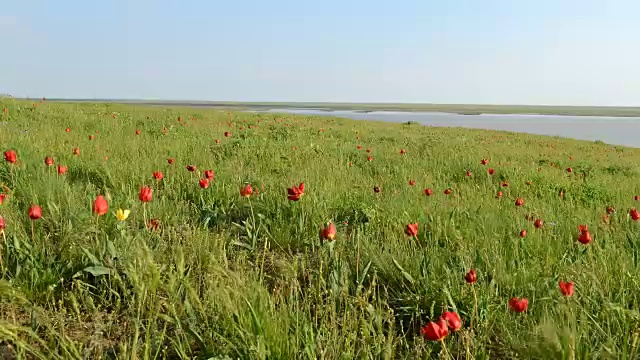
239	102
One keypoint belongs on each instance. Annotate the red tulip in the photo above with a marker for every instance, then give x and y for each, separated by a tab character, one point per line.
528	182
584	237
538	223
370	158
491	171
204	183
376	189
227	134
76	151
295	192
566	288
403	151
471	276
636	198
435	331
351	164
452	319
146	194
179	118
569	170
2	197
561	193
209	174
191	168
369	150
67	129
635	215
246	191
137	132
412	182
217	141
610	210
359	147
505	184
4	110
469	173
48	161
448	191
171	161
10	156
412	230
158	175
328	232
62	169
519	305
519	201
523	233
428	191
3	224
100	206
484	161
91	137
499	195
35	212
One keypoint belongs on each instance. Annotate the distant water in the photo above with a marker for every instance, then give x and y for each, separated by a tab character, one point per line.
611	130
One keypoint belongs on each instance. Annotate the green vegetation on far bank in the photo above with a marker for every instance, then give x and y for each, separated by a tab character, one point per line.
465	109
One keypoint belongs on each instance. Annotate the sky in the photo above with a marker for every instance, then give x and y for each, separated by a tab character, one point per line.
542	52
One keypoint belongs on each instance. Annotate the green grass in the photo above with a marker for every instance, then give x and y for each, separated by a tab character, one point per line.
225	277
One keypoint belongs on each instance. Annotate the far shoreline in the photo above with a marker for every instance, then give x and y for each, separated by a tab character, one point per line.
460	109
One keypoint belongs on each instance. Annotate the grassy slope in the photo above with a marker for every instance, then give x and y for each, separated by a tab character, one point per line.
190	290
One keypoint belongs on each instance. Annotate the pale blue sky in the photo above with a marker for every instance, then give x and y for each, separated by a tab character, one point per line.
574	52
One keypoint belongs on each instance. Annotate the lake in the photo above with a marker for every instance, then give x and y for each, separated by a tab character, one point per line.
612	130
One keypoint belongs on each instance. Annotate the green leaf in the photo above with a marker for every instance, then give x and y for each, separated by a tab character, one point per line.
91	257
111	249
404	273
97	270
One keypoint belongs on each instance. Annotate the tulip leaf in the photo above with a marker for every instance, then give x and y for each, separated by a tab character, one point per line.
111	249
97	270
94	260
406	275
364	273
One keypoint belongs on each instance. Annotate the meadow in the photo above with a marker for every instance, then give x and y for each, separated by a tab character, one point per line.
532	241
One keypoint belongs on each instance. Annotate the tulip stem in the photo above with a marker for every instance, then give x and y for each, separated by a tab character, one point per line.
475	302
444	349
4	241
254	236
144	213
33	232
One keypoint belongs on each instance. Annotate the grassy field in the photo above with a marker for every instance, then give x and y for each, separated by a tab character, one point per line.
466	109
210	274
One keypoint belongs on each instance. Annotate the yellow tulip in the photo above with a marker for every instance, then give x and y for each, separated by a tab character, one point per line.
122	215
